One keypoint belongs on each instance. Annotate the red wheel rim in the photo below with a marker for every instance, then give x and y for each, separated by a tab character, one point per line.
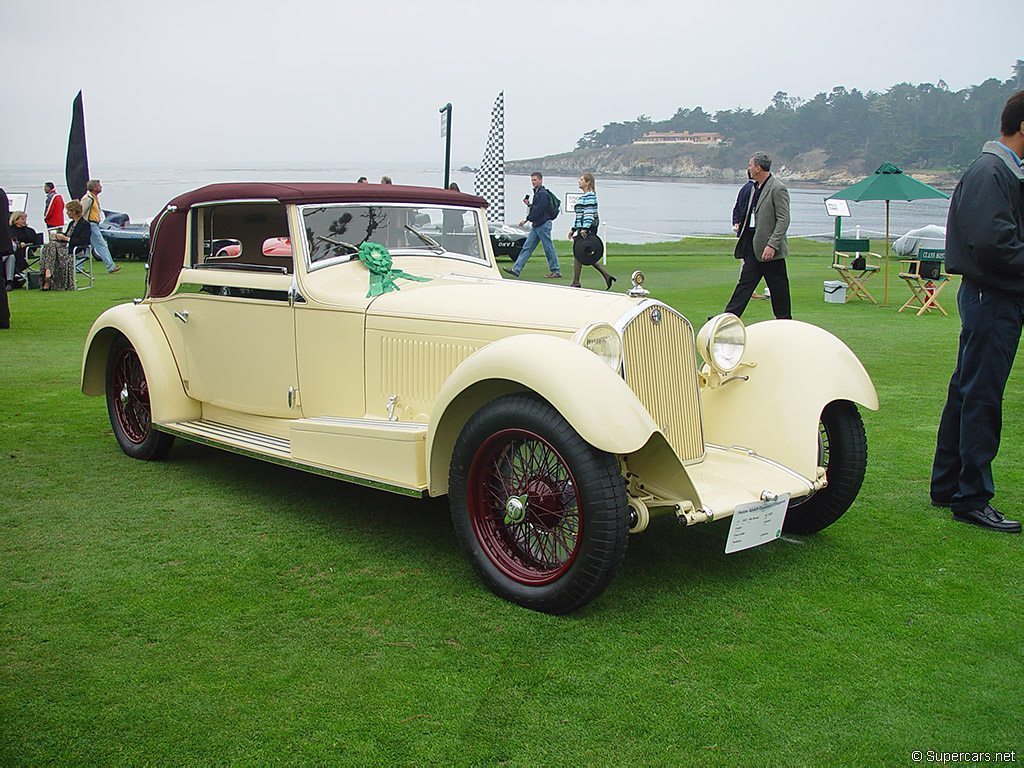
524	506
131	396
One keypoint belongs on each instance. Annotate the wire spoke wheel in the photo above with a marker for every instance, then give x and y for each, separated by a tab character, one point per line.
524	507
541	513
129	406
824	453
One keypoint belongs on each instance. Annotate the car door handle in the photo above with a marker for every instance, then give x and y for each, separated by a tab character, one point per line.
183	315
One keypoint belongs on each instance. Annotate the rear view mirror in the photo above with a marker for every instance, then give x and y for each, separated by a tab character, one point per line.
277	246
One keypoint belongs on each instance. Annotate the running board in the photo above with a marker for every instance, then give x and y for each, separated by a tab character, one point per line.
276	450
224	436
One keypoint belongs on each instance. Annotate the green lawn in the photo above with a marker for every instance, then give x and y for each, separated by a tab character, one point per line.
217	609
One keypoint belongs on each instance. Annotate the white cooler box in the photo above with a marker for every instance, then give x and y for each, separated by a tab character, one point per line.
835	292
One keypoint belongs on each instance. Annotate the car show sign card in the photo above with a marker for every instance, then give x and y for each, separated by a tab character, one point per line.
756	523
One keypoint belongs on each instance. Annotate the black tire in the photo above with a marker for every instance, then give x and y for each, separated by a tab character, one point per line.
128	405
843	451
560	543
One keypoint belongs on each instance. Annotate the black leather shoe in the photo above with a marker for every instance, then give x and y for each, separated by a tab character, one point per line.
990	518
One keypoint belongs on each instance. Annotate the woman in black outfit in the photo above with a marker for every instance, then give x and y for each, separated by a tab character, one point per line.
23	236
6	247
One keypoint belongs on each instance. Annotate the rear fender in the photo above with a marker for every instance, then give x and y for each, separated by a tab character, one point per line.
592	397
138	324
798	369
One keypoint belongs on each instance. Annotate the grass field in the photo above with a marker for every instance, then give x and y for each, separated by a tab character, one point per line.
216	609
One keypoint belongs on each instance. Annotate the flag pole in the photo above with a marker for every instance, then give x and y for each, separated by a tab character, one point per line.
446	131
885	301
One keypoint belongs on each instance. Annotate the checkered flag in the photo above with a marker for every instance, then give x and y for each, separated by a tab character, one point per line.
490	179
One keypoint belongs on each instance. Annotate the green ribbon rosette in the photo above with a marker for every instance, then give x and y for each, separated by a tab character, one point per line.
382	277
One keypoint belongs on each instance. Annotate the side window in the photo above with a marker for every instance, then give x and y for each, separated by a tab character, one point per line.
242	237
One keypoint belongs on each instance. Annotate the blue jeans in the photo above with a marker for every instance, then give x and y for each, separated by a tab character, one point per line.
972	418
541	233
99	246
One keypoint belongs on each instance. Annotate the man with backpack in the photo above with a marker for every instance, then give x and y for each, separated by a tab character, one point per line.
543	210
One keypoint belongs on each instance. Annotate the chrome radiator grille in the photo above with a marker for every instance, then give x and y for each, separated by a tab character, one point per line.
661	369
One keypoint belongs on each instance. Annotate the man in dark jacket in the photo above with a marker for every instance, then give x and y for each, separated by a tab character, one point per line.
738	212
6	249
742	203
540	217
985	244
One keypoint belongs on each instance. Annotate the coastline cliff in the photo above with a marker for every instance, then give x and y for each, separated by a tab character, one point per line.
721	163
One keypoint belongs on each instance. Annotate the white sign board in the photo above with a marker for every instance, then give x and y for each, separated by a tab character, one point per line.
18	201
835	207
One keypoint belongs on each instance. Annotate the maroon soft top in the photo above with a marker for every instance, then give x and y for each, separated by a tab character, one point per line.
168	239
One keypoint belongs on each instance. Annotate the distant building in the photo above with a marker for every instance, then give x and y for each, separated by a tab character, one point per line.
674	137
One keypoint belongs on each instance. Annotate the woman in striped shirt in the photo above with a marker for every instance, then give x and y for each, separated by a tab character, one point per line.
585	226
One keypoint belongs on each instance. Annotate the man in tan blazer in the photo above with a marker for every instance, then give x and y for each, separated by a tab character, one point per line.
762	241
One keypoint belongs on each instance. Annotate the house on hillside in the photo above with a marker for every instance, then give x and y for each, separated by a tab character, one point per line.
674	137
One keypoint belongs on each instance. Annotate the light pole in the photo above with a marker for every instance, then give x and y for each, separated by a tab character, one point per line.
446	134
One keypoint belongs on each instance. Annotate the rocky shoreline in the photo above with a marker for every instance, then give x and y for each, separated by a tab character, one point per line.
718	164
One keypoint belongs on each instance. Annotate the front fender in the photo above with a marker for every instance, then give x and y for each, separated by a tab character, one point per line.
594	399
137	323
799	369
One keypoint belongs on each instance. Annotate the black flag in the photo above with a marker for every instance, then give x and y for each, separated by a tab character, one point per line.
76	171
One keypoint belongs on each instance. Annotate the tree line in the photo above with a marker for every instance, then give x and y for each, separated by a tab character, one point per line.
924	126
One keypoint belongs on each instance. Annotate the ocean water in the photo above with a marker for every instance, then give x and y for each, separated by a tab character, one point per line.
634	211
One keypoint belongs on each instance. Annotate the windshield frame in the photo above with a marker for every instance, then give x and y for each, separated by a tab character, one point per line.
484	259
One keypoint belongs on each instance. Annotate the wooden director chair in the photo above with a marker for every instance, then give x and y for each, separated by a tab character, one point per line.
925	275
852	259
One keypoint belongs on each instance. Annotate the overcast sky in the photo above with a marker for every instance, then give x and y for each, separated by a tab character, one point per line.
335	80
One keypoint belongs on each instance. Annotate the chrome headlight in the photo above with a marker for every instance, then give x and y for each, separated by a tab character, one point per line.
604	341
721	342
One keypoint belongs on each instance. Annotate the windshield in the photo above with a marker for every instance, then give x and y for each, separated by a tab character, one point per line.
335	232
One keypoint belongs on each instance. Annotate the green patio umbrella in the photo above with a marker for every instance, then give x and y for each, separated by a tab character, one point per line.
888	183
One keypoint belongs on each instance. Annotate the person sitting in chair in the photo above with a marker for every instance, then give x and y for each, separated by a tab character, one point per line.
57	261
22	236
6	247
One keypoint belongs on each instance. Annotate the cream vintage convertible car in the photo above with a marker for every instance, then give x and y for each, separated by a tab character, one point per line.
364	332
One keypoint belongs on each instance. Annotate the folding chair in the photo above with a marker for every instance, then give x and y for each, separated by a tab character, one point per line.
33	274
925	276
33	278
82	256
851	258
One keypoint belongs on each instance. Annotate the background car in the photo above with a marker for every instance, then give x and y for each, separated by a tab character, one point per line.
507	240
370	341
125	240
